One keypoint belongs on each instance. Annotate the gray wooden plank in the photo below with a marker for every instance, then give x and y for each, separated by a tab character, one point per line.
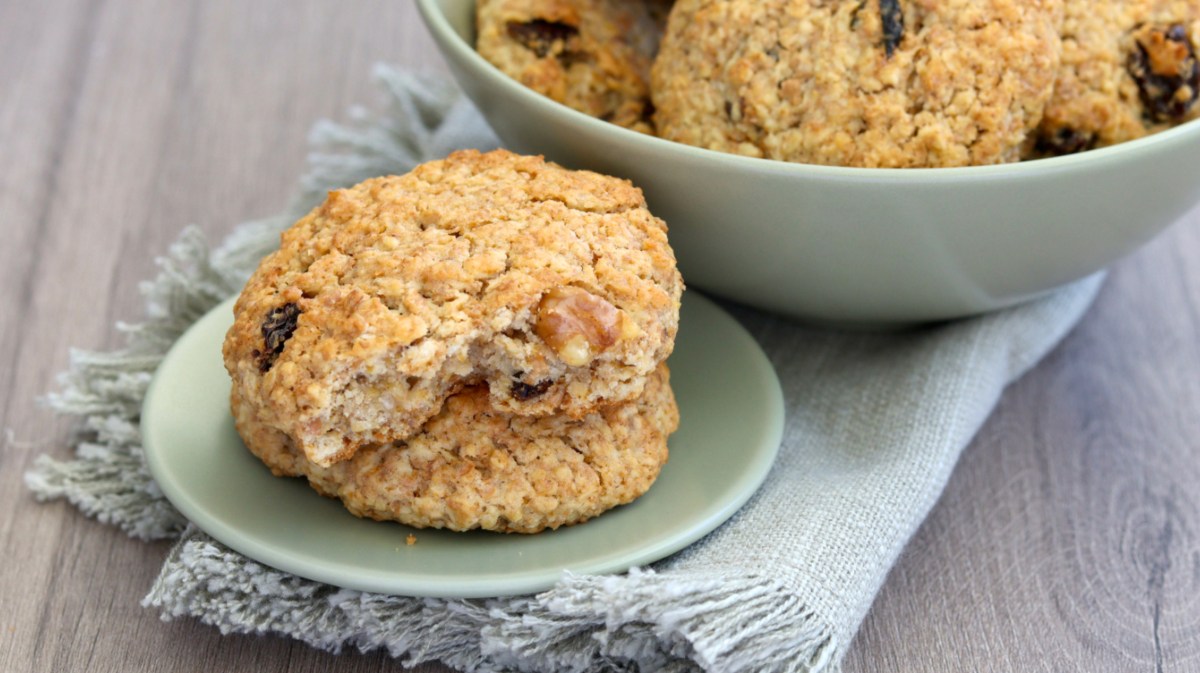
41	70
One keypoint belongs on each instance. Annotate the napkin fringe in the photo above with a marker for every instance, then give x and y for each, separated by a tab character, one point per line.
634	622
731	624
203	579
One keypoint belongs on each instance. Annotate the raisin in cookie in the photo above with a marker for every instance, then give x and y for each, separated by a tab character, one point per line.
1128	69
474	467
555	288
880	83
592	55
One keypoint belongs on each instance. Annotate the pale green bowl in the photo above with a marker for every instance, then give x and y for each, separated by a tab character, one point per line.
855	245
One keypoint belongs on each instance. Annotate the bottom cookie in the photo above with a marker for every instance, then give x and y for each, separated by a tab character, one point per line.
472	467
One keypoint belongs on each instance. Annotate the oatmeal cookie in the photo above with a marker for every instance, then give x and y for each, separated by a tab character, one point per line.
472	466
1128	69
880	83
555	288
592	55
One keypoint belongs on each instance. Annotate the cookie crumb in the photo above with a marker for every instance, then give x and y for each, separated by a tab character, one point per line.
410	540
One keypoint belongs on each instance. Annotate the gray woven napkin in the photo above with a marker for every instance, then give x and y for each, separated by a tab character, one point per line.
875	423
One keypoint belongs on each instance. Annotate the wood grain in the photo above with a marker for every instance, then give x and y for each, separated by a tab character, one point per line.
1067	540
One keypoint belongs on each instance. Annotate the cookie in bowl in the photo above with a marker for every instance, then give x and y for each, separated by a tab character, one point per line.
556	289
885	84
1129	69
591	55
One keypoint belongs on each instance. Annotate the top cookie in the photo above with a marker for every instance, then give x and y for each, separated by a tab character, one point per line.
1128	69
592	55
878	83
556	288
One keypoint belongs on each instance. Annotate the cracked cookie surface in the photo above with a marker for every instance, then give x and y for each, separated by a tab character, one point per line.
556	289
591	55
472	466
874	83
1128	69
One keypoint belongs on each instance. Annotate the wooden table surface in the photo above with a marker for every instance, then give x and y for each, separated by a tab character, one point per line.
1067	540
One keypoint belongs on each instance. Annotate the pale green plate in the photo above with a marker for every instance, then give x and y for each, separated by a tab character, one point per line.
732	414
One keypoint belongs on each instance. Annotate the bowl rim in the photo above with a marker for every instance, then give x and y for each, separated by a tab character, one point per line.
445	34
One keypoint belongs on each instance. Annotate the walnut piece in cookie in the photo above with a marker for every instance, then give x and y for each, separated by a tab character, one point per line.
874	83
472	466
591	55
556	289
578	325
1128	69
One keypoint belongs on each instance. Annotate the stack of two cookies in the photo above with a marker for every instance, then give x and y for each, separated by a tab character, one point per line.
477	344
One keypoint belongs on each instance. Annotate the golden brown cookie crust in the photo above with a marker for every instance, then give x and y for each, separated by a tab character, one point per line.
474	467
1115	83
874	83
591	55
556	288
